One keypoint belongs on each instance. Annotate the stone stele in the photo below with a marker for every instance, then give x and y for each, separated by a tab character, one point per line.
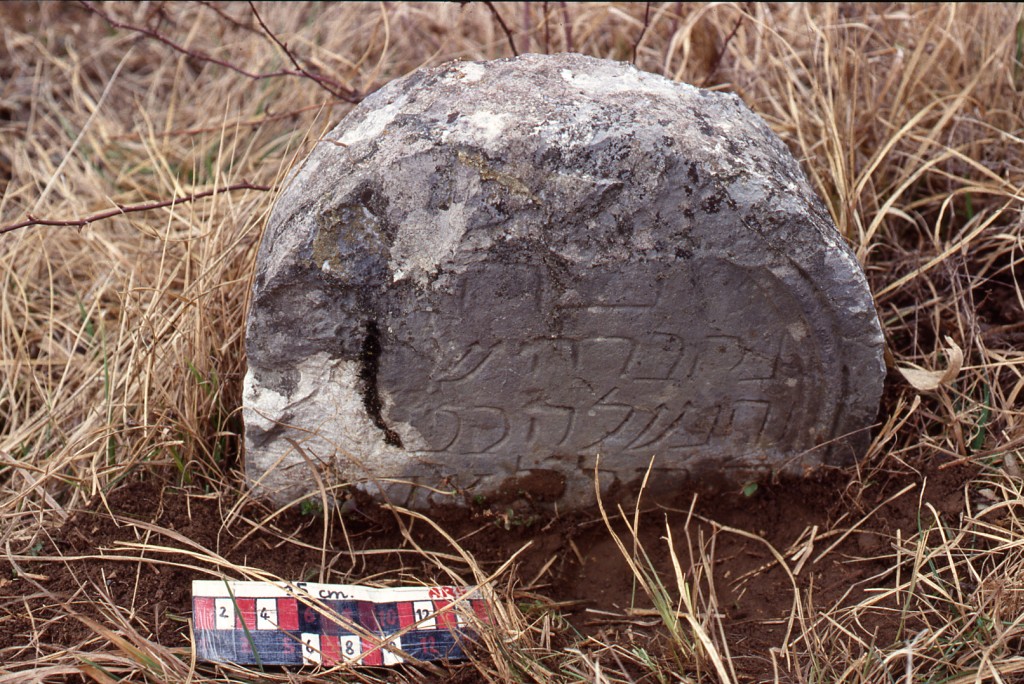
516	277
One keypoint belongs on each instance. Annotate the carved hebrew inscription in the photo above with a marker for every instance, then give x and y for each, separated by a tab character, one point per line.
642	360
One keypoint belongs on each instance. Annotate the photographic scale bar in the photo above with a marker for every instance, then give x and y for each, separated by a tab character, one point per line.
305	623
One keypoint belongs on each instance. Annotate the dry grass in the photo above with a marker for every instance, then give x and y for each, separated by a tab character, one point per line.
122	348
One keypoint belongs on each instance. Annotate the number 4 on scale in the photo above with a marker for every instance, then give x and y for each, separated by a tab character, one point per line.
266	614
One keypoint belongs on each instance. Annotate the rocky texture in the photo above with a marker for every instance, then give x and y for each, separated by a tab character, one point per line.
490	274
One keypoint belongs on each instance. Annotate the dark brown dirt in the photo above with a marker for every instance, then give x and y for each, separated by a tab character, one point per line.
572	562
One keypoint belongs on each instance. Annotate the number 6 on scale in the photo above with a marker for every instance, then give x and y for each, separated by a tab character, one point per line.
311	649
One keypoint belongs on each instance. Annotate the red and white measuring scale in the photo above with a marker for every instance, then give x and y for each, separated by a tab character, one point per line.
304	623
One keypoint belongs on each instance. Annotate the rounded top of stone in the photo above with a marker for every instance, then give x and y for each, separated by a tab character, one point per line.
549	128
549	97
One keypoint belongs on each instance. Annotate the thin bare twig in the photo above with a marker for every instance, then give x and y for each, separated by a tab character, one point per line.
129	208
335	88
504	27
567	27
721	53
675	18
643	31
295	62
547	30
527	27
228	125
228	18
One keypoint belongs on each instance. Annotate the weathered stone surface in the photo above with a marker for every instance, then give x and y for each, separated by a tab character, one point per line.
489	274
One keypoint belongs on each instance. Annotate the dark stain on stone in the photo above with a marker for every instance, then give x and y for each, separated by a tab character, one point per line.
703	125
369	366
376	202
712	204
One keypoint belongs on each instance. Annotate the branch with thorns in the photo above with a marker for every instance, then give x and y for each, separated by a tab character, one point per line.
336	89
129	208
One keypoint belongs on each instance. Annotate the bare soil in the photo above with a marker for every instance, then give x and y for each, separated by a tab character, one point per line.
572	563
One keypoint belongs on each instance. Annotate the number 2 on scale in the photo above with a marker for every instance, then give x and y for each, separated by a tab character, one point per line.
224	614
